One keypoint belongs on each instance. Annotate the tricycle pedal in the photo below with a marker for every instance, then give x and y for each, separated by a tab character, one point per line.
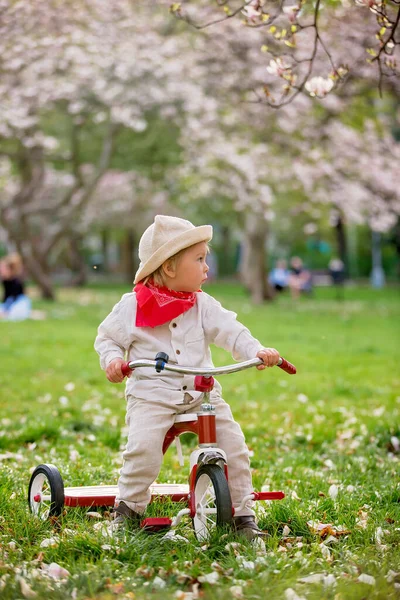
153	524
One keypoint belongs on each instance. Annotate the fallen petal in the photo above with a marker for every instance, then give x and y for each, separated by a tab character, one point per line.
56	571
313	578
50	542
209	578
290	594
368	579
333	491
26	589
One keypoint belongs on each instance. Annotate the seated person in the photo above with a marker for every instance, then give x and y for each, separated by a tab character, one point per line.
16	305
337	271
300	279
279	276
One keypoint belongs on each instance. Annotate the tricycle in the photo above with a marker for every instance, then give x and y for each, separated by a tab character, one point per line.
207	495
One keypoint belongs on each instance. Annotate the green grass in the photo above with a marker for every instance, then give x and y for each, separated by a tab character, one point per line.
330	425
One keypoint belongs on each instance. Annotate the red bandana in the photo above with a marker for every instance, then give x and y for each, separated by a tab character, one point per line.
158	305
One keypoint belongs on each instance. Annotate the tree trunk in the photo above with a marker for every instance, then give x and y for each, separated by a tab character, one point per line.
105	239
396	241
78	264
16	216
253	264
37	269
129	255
341	241
226	250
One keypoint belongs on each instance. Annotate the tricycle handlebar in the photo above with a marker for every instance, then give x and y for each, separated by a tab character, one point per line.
129	366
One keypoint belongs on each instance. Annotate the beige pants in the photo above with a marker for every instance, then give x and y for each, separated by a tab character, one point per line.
148	421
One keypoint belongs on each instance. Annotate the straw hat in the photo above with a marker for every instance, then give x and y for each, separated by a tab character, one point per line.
164	238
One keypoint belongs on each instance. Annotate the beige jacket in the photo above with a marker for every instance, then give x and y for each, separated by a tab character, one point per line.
186	339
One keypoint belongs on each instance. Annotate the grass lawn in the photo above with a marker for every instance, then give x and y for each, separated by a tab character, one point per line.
328	437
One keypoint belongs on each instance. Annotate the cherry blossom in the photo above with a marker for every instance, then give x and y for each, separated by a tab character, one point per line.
318	86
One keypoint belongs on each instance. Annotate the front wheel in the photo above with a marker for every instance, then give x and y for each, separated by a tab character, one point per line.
46	492
212	500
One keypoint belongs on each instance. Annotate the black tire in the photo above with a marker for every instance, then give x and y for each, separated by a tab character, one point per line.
211	491
46	481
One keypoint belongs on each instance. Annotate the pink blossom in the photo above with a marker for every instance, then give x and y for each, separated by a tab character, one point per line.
278	66
318	86
252	14
291	12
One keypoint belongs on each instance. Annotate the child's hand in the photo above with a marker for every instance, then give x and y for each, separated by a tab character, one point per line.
114	372
269	356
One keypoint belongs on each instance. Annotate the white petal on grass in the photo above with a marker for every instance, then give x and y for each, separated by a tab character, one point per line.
331	540
302	398
333	491
159	583
63	400
313	578
294	495
248	565
259	545
234	546
210	578
290	594
74	455
368	579
326	553
392	575
286	531
395	443
236	591
330	580
379	533
51	542
69	387
175	537
55	571
26	589
193	595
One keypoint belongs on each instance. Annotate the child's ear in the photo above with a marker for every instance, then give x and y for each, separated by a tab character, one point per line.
169	269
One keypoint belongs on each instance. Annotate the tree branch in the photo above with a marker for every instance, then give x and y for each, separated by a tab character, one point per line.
79	197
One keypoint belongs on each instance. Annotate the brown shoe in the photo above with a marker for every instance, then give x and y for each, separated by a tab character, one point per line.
248	528
126	516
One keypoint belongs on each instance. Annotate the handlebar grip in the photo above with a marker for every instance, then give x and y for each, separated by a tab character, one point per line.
287	366
126	370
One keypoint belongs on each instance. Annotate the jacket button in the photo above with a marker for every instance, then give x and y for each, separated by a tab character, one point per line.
184	387
173	324
178	351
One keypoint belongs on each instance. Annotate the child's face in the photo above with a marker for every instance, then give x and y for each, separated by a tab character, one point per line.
4	270
190	270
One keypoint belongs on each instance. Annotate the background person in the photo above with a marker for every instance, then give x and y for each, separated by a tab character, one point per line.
16	305
279	276
300	279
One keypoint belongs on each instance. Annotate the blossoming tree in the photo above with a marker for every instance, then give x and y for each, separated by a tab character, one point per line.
305	42
70	71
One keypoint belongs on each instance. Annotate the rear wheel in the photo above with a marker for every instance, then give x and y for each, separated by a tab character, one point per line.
46	492
212	500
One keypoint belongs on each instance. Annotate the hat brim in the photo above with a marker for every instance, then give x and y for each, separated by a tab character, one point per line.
203	233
